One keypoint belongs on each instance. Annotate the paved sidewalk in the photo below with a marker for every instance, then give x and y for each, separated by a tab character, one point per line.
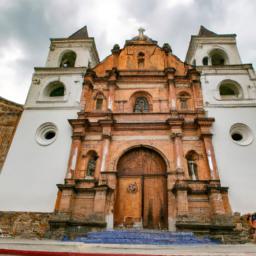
76	247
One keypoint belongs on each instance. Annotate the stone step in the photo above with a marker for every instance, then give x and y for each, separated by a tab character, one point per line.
143	237
139	234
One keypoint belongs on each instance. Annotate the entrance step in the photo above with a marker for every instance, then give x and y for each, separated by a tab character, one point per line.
143	237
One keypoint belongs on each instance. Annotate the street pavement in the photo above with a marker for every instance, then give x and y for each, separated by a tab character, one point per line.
52	248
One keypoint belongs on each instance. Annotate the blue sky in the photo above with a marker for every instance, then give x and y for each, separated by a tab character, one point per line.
27	25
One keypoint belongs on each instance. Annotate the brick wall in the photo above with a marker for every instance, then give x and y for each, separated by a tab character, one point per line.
10	113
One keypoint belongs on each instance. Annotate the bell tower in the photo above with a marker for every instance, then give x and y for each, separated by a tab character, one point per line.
229	93
40	146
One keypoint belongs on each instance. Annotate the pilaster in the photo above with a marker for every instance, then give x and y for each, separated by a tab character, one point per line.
215	197
170	74
176	136
112	87
205	125
181	190
196	88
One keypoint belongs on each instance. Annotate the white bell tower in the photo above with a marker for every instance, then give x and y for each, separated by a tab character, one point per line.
38	156
229	91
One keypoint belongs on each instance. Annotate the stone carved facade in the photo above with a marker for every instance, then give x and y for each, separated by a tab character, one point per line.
10	113
142	174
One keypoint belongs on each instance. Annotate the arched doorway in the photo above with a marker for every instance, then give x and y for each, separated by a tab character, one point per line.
141	198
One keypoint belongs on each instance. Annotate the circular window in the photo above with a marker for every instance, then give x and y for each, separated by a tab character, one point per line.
46	134
241	134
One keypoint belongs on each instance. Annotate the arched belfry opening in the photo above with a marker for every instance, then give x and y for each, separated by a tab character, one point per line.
141	197
68	59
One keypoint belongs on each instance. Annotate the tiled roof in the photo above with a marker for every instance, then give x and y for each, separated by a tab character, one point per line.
82	33
205	32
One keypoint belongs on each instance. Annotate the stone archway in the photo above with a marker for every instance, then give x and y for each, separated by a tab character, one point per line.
141	198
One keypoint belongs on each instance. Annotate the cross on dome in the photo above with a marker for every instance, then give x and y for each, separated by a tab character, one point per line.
141	32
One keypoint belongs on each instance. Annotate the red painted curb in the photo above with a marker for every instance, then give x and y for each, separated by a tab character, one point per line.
47	253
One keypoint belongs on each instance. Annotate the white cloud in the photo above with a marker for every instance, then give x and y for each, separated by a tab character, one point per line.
173	3
26	26
11	80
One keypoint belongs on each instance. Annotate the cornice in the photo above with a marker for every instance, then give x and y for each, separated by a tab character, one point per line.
59	71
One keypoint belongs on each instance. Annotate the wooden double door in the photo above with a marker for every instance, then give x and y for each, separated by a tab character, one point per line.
141	198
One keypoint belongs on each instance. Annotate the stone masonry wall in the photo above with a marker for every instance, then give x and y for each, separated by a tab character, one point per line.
24	224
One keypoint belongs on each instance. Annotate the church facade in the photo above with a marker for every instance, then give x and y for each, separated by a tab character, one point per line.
142	153
135	141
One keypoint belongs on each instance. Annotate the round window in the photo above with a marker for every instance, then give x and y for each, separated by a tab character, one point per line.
46	134
241	134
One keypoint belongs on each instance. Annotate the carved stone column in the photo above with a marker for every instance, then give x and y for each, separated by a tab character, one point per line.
105	152
83	160
178	152
112	86
196	88
205	126
78	126
170	72
177	197
111	96
176	135
211	156
74	153
106	137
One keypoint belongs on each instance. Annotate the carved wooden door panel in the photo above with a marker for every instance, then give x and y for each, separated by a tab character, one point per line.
128	210
142	170
154	202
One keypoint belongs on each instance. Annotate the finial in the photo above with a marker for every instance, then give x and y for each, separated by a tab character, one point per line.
116	49
141	32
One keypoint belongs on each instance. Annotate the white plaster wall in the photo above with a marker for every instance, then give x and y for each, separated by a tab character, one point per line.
203	50
73	88
82	55
210	86
31	171
236	163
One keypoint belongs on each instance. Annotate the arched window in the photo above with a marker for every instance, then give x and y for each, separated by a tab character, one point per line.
57	92
55	89
205	61
194	62
218	57
230	90
91	166
141	105
141	59
68	60
192	159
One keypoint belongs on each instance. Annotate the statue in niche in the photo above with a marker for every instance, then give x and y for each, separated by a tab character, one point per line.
91	166
141	105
